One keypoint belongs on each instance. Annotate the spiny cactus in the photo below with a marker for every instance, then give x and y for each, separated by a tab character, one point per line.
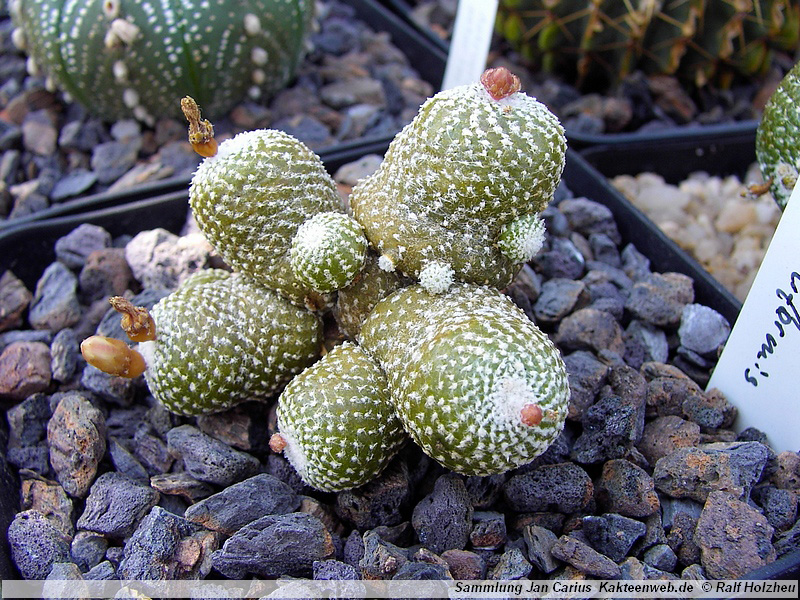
476	161
135	57
477	385
337	426
778	138
703	41
251	200
221	340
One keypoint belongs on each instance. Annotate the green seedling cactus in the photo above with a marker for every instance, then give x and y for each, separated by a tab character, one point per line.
702	41
122	58
456	196
267	204
778	138
337	426
217	341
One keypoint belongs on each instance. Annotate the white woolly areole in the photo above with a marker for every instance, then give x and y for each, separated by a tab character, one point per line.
522	239
147	350
437	277
294	454
385	263
510	394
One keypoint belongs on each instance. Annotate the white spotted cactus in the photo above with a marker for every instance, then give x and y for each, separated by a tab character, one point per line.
778	138
122	58
477	385
267	204
457	194
222	340
337	426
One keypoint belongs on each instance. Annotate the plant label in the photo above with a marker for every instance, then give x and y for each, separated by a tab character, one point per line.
472	37
760	365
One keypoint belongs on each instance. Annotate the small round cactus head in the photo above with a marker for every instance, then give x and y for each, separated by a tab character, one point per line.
252	197
221	340
477	385
778	138
337	426
122	58
475	160
328	251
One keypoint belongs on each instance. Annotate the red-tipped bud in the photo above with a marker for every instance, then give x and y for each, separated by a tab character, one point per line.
277	443
531	414
500	82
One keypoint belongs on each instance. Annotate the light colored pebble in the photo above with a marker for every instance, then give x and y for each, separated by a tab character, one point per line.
712	218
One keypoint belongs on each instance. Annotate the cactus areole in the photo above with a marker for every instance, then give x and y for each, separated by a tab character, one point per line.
135	57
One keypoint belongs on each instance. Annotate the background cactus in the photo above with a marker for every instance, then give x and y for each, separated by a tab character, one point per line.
594	42
135	57
474	160
778	138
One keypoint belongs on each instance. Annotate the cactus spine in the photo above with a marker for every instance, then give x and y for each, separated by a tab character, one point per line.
135	57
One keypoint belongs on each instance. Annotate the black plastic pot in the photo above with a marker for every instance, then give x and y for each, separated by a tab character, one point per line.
675	157
425	57
28	249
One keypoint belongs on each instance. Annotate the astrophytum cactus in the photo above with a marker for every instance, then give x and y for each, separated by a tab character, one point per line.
272	211
456	197
136	57
593	42
778	138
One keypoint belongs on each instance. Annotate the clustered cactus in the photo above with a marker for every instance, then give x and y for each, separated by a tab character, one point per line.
436	351
778	138
134	57
703	41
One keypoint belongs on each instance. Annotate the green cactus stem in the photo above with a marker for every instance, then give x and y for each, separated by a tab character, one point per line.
328	251
596	42
778	138
477	385
222	340
356	301
337	426
474	160
251	199
122	58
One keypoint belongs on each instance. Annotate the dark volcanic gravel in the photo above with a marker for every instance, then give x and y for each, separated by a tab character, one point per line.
647	479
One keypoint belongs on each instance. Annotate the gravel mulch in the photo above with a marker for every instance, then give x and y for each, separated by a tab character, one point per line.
647	481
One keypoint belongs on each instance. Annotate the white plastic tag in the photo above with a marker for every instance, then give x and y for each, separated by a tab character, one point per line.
469	47
759	370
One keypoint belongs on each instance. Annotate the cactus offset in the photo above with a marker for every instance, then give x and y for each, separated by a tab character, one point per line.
477	385
337	426
474	160
251	199
778	138
703	41
135	57
222	340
